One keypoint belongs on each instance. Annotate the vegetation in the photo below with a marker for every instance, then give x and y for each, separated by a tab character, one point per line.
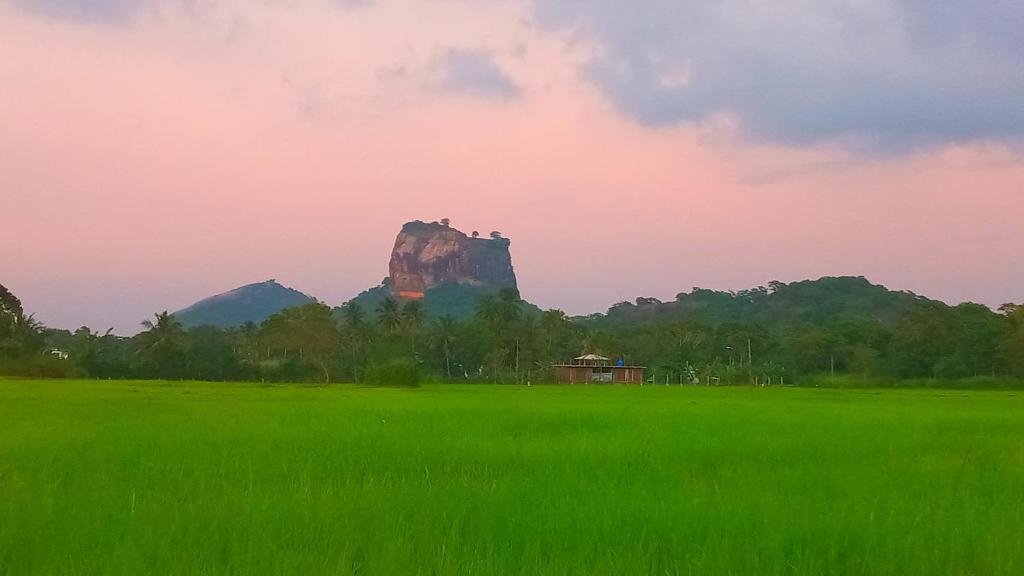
402	373
186	478
831	332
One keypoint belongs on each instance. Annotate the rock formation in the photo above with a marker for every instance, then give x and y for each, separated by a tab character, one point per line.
428	255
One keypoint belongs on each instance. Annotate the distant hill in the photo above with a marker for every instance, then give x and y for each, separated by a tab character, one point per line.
821	301
251	303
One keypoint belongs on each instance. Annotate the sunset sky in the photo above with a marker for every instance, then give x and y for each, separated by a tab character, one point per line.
154	152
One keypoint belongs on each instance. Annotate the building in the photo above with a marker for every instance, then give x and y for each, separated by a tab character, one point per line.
594	369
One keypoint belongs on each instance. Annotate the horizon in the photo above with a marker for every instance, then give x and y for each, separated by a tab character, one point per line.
574	315
158	152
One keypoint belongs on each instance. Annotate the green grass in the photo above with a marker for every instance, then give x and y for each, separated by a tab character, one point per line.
165	478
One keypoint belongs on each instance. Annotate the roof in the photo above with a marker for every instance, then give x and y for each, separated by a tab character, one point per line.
590	357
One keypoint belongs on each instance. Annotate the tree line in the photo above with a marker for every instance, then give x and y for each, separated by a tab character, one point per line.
781	334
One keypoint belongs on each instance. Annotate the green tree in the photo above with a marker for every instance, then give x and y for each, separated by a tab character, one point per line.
210	354
355	336
443	333
1013	345
554	330
920	341
978	334
304	335
412	319
21	336
352	315
162	346
389	315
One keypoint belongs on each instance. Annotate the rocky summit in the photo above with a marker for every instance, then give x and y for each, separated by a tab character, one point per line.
428	255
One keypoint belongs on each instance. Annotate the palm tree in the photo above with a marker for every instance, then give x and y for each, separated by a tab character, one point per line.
412	319
166	329
352	313
509	304
553	324
443	332
163	343
488	309
389	315
499	309
354	333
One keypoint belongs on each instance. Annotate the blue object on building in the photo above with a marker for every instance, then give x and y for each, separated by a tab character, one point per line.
620	363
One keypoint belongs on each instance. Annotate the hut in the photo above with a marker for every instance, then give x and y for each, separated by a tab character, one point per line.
594	369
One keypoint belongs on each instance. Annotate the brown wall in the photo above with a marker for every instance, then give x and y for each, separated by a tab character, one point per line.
627	375
582	375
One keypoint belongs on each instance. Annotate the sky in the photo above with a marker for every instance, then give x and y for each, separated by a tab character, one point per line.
155	152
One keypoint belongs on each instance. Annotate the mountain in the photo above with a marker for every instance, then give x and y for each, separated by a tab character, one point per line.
447	269
250	303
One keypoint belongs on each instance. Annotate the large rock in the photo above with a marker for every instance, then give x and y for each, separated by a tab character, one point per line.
428	255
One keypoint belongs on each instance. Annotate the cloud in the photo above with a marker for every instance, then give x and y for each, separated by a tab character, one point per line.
476	73
884	73
83	10
117	11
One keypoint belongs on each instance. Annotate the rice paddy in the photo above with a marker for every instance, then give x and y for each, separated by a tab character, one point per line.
100	477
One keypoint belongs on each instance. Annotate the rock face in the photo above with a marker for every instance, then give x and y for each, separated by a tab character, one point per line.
428	255
251	303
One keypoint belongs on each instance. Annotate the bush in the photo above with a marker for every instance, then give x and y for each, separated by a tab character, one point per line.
403	373
40	366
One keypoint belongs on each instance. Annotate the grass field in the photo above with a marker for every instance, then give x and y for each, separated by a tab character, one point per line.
168	478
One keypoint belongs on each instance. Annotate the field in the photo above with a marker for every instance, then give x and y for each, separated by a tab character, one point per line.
194	478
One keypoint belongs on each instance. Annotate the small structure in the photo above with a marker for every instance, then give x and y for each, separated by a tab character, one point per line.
594	369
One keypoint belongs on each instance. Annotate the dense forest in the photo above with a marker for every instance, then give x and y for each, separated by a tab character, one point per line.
840	330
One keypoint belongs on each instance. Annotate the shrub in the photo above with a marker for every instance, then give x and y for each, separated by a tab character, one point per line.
403	373
40	366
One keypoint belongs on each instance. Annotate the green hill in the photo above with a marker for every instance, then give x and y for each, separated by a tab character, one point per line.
823	301
452	298
251	303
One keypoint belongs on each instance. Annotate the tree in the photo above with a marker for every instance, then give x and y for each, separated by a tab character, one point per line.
389	315
499	309
920	341
554	328
352	314
412	320
446	222
487	309
247	349
21	336
306	335
443	334
354	336
162	346
85	349
1013	347
210	354
978	334
10	306
495	235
